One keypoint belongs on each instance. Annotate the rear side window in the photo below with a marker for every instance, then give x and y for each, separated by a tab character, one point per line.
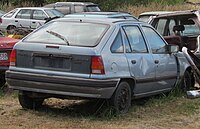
160	27
69	33
79	8
10	14
24	14
117	46
65	9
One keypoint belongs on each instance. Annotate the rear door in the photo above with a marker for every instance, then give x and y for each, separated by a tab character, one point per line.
23	18
166	65
141	64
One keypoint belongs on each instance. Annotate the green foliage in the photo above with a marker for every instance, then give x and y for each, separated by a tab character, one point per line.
105	5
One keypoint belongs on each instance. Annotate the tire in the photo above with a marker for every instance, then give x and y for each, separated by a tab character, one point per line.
186	83
28	102
11	29
121	99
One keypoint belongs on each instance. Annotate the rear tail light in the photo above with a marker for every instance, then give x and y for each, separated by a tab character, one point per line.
0	20
13	58
97	66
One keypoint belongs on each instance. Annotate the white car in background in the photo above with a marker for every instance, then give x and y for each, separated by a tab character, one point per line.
29	17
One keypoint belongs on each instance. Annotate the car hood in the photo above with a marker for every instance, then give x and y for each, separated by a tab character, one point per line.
6	42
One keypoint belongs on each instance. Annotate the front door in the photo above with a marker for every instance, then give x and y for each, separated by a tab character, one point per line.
166	65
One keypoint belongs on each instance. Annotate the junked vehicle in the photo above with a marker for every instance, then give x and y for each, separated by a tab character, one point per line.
119	15
147	16
181	28
74	7
30	17
112	59
6	45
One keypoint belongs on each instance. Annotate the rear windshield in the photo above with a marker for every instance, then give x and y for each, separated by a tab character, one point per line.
54	13
73	34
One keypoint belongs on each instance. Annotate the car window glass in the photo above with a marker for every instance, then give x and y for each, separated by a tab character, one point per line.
117	46
64	9
24	14
144	18
160	27
172	23
135	39
191	30
93	8
69	33
155	41
10	14
53	13
39	15
79	8
126	42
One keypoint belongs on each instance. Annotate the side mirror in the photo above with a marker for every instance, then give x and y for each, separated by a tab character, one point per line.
172	48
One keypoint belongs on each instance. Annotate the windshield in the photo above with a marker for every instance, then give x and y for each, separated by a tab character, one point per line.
75	33
53	13
191	30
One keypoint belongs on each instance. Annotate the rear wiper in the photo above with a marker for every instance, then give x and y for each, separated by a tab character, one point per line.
58	35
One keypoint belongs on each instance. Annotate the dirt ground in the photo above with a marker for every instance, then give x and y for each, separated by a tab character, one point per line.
76	114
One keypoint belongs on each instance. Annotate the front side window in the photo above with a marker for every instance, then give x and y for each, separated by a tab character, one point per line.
135	39
54	13
155	41
24	14
69	33
39	15
117	46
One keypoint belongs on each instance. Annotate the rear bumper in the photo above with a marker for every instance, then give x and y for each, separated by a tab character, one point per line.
69	86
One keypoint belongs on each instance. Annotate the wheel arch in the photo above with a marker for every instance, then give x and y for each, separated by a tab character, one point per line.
130	81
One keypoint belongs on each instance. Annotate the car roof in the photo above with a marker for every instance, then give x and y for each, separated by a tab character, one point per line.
155	13
100	14
175	13
100	20
85	3
33	8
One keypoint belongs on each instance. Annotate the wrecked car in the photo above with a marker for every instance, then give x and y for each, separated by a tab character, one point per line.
6	45
181	28
114	59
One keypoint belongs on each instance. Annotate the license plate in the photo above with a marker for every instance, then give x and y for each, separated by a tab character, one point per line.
3	56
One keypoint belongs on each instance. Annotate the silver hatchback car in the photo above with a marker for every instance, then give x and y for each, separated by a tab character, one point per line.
112	59
30	17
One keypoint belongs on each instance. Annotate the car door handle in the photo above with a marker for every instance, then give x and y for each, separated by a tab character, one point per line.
156	61
33	22
133	61
16	20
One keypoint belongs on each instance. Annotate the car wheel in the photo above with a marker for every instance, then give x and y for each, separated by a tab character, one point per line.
186	82
29	102
11	29
121	99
